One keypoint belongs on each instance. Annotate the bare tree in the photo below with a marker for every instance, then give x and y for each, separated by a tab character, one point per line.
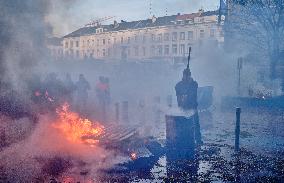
259	24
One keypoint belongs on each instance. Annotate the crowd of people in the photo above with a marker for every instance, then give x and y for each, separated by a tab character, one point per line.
51	92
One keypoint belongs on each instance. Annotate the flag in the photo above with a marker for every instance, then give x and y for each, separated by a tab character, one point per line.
222	9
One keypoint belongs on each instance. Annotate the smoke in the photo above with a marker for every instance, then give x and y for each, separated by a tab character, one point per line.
63	17
29	152
47	153
36	152
22	36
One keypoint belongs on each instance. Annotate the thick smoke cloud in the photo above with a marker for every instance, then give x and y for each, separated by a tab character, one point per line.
47	153
28	150
22	36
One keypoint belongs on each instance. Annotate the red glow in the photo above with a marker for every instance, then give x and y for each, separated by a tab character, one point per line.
74	127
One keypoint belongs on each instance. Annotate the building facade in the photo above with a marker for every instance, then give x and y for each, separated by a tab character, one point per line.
55	48
165	37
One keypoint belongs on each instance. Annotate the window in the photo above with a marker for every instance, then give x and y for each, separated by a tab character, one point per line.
83	43
160	37
212	32
104	41
174	36
160	50
201	33
144	51
71	44
182	36
153	37
128	52
179	22
181	49
121	40
99	30
104	52
166	36
136	50
98	42
152	51
108	52
93	42
190	35
108	41
98	52
128	40
136	38
144	38
77	43
167	50
114	52
66	44
114	40
174	49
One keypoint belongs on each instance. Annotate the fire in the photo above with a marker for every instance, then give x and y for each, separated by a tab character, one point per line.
133	156
37	93
49	98
74	127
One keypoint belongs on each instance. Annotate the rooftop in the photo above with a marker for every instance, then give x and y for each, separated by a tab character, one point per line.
154	22
55	41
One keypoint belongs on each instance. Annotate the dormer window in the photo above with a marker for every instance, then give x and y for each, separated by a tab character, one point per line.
99	30
180	22
154	19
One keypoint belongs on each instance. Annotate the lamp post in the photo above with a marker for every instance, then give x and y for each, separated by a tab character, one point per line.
240	66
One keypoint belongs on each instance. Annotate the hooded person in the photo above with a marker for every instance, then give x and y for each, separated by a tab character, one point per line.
82	87
186	92
69	87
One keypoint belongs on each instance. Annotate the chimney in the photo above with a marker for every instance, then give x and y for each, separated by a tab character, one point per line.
178	14
115	24
200	11
154	19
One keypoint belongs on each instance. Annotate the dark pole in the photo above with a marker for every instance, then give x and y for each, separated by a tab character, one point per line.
239	83
219	17
188	58
240	65
237	130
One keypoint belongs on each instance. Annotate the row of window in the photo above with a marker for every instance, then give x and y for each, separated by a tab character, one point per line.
154	38
160	50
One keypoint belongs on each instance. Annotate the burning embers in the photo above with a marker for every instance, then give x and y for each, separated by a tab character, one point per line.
45	95
75	128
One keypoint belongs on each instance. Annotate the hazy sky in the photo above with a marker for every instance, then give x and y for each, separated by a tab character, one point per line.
69	15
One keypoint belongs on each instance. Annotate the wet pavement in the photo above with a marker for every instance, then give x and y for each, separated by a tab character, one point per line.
261	157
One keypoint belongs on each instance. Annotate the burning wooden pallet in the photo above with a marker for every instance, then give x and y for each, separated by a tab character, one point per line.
114	133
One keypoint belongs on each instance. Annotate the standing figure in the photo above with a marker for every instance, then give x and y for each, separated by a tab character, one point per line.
186	92
82	87
103	96
69	87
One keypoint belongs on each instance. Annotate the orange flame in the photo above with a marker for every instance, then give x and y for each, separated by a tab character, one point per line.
74	127
37	93
133	156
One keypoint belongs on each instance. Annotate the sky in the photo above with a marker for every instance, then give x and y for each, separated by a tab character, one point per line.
69	15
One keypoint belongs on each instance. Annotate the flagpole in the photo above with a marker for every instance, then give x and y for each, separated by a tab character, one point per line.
219	18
